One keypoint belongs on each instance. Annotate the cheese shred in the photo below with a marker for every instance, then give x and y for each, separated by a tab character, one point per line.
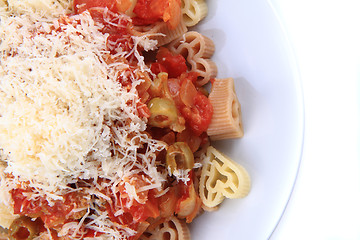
64	115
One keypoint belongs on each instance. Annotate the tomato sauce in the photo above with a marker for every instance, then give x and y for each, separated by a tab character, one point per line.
52	213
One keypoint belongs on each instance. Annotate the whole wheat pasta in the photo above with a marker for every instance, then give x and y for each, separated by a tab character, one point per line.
172	229
197	49
227	120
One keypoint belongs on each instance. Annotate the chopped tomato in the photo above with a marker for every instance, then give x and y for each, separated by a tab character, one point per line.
143	110
183	192
137	212
90	233
141	212
119	41
192	76
172	14
22	205
157	68
151	11
198	116
193	141
52	215
175	64
113	24
188	92
168	203
115	6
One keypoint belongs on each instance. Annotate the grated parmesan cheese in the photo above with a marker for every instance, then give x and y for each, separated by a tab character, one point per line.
64	116
43	7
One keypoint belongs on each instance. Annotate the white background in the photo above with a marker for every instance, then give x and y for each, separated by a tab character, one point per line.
325	203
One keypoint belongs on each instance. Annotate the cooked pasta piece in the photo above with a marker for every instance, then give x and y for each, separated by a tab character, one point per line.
193	11
196	49
205	68
209	209
226	122
193	45
173	229
160	31
222	177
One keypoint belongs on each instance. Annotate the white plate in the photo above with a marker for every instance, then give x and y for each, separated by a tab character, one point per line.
252	48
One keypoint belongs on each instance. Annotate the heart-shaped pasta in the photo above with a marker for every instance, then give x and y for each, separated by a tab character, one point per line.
173	229
222	177
196	49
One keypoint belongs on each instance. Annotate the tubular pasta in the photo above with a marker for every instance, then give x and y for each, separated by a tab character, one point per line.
173	229
222	177
226	122
193	11
197	49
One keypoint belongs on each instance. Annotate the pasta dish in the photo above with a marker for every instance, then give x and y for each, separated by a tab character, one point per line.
106	120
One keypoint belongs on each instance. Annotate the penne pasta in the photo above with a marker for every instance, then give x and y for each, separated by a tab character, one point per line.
226	122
